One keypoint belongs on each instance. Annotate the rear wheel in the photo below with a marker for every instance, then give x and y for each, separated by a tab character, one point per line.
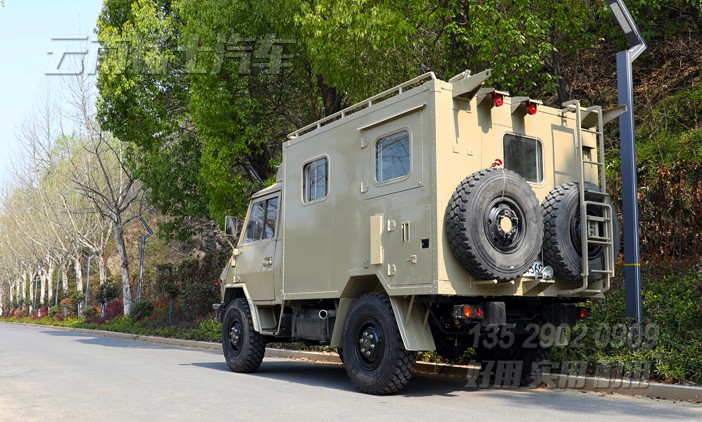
373	353
532	359
243	347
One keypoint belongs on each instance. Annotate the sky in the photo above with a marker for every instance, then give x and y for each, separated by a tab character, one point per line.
28	32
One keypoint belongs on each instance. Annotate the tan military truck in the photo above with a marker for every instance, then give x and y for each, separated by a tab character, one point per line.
437	215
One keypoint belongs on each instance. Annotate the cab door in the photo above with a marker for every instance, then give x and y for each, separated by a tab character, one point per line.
257	262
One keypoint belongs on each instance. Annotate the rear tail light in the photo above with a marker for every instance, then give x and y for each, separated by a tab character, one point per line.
467	312
583	313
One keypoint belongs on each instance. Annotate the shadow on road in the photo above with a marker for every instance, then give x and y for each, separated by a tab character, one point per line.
333	376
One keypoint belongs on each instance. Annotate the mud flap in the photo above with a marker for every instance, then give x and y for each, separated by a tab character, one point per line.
415	332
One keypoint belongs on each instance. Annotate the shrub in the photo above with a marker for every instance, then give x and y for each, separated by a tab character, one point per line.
53	310
109	291
671	331
114	308
141	310
21	313
68	307
90	312
197	299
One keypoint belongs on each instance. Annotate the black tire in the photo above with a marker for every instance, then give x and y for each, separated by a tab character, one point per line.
243	347
494	225
533	362
340	352
562	245
373	353
532	359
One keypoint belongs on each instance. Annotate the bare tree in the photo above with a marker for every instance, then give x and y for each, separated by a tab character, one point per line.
99	172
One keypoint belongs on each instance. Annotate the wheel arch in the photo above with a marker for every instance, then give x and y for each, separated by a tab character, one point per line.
409	313
239	290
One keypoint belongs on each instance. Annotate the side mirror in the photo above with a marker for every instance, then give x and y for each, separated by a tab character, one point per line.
230	226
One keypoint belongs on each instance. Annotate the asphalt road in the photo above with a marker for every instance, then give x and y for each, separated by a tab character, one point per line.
48	374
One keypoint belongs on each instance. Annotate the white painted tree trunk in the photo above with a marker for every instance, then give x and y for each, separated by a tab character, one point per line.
32	282
121	250
102	266
42	286
12	296
23	287
50	281
64	277
79	273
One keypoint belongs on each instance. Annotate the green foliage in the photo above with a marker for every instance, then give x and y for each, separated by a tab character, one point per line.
108	291
53	310
197	299
141	310
69	306
89	312
671	335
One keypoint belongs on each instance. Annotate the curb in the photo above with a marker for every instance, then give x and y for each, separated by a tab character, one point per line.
602	385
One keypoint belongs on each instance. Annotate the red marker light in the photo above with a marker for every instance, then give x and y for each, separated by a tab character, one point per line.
499	99
467	312
479	312
531	108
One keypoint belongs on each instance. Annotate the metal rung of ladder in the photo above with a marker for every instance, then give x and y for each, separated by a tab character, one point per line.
594	119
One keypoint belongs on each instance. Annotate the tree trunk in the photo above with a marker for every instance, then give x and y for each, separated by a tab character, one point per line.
79	273
32	282
126	289
12	287
42	286
23	286
64	277
50	281
102	266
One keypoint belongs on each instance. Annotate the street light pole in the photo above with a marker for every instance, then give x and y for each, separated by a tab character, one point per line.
148	234
625	86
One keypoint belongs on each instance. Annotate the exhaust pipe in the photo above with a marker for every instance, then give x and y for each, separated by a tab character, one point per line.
324	314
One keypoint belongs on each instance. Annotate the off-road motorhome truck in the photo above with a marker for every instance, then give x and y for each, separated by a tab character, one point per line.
437	215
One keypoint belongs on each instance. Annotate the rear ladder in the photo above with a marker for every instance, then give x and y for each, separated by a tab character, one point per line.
590	234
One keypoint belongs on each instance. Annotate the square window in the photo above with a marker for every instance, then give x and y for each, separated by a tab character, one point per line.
316	180
524	156
392	156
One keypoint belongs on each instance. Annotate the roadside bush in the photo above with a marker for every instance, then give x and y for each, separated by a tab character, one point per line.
108	291
90	312
208	330
197	299
114	308
671	332
68	307
141	310
53	310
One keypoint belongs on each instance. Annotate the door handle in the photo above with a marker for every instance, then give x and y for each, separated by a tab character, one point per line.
268	261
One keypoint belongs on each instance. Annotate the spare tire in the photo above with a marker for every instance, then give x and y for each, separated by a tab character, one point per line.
494	225
562	235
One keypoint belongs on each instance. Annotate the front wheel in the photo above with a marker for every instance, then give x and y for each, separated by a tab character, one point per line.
243	347
375	358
